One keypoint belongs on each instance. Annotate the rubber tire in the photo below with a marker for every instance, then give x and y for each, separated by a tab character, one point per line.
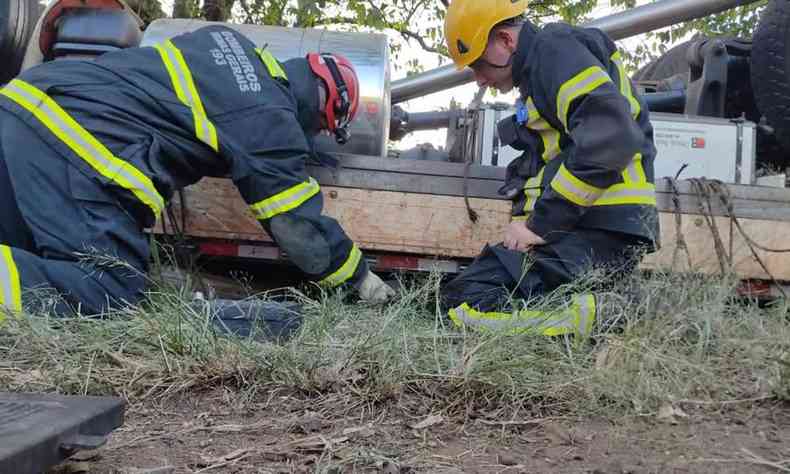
670	63
770	68
674	63
17	20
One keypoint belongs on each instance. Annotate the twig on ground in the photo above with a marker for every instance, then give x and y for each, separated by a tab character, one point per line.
535	421
727	402
751	458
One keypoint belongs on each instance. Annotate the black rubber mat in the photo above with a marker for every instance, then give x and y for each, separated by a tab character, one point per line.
39	431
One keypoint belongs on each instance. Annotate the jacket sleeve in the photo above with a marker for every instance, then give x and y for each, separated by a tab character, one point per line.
270	173
597	117
522	184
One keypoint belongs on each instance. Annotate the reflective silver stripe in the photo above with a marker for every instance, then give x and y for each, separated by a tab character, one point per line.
346	271
532	196
548	134
10	286
532	190
631	172
186	90
583	83
286	200
574	190
643	195
585	313
576	318
523	321
625	84
84	144
5	284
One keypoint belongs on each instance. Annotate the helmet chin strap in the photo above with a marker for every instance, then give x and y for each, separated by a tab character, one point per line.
498	66
344	107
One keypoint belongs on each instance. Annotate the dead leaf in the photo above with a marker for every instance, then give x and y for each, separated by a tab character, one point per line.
75	468
559	435
359	432
506	459
316	443
428	422
389	468
609	354
274	456
670	413
86	455
309	423
233	455
152	470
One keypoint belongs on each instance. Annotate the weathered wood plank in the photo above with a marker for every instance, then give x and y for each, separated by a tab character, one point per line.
439	226
382	166
446	179
700	241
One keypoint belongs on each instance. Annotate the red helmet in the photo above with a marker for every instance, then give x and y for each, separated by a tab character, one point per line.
342	88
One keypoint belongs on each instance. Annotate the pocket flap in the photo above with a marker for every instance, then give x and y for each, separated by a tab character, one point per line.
86	188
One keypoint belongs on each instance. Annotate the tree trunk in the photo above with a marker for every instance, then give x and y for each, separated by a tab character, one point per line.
184	9
217	10
307	13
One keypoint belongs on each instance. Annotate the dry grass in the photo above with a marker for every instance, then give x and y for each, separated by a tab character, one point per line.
684	338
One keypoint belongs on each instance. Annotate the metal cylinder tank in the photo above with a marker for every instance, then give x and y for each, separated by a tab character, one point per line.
368	52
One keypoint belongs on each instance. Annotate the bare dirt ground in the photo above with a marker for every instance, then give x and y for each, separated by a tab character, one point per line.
338	433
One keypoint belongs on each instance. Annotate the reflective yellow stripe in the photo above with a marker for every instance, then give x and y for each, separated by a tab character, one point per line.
184	86
581	84
639	170
640	193
631	174
519	218
548	134
625	84
532	190
634	190
573	189
85	145
346	270
619	194
275	70
585	311
577	318
286	200
10	287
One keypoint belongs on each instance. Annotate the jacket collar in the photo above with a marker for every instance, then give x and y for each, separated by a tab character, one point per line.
520	61
304	87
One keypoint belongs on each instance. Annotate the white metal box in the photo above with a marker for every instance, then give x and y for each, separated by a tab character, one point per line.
709	147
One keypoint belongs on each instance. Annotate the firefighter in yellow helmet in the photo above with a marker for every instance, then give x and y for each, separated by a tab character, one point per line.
583	190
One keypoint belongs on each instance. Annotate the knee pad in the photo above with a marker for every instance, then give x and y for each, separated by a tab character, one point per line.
304	243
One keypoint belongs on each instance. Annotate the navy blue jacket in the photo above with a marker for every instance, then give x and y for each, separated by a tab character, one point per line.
586	135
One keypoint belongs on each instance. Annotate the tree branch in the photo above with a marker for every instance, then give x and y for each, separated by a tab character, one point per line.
407	34
338	20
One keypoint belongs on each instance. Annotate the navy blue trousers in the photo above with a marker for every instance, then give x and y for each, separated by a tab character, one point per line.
72	246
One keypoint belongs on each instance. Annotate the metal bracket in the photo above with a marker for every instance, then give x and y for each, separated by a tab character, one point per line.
739	151
707	88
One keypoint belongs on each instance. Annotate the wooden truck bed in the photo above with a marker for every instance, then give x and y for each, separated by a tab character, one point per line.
416	208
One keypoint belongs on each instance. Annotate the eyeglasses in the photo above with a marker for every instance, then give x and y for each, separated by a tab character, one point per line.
481	62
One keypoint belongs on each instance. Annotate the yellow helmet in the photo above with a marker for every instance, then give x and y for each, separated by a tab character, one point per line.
469	22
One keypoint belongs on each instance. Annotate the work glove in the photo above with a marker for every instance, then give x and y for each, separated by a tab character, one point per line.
373	289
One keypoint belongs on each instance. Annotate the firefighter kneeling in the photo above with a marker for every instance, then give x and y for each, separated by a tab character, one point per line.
583	190
92	151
